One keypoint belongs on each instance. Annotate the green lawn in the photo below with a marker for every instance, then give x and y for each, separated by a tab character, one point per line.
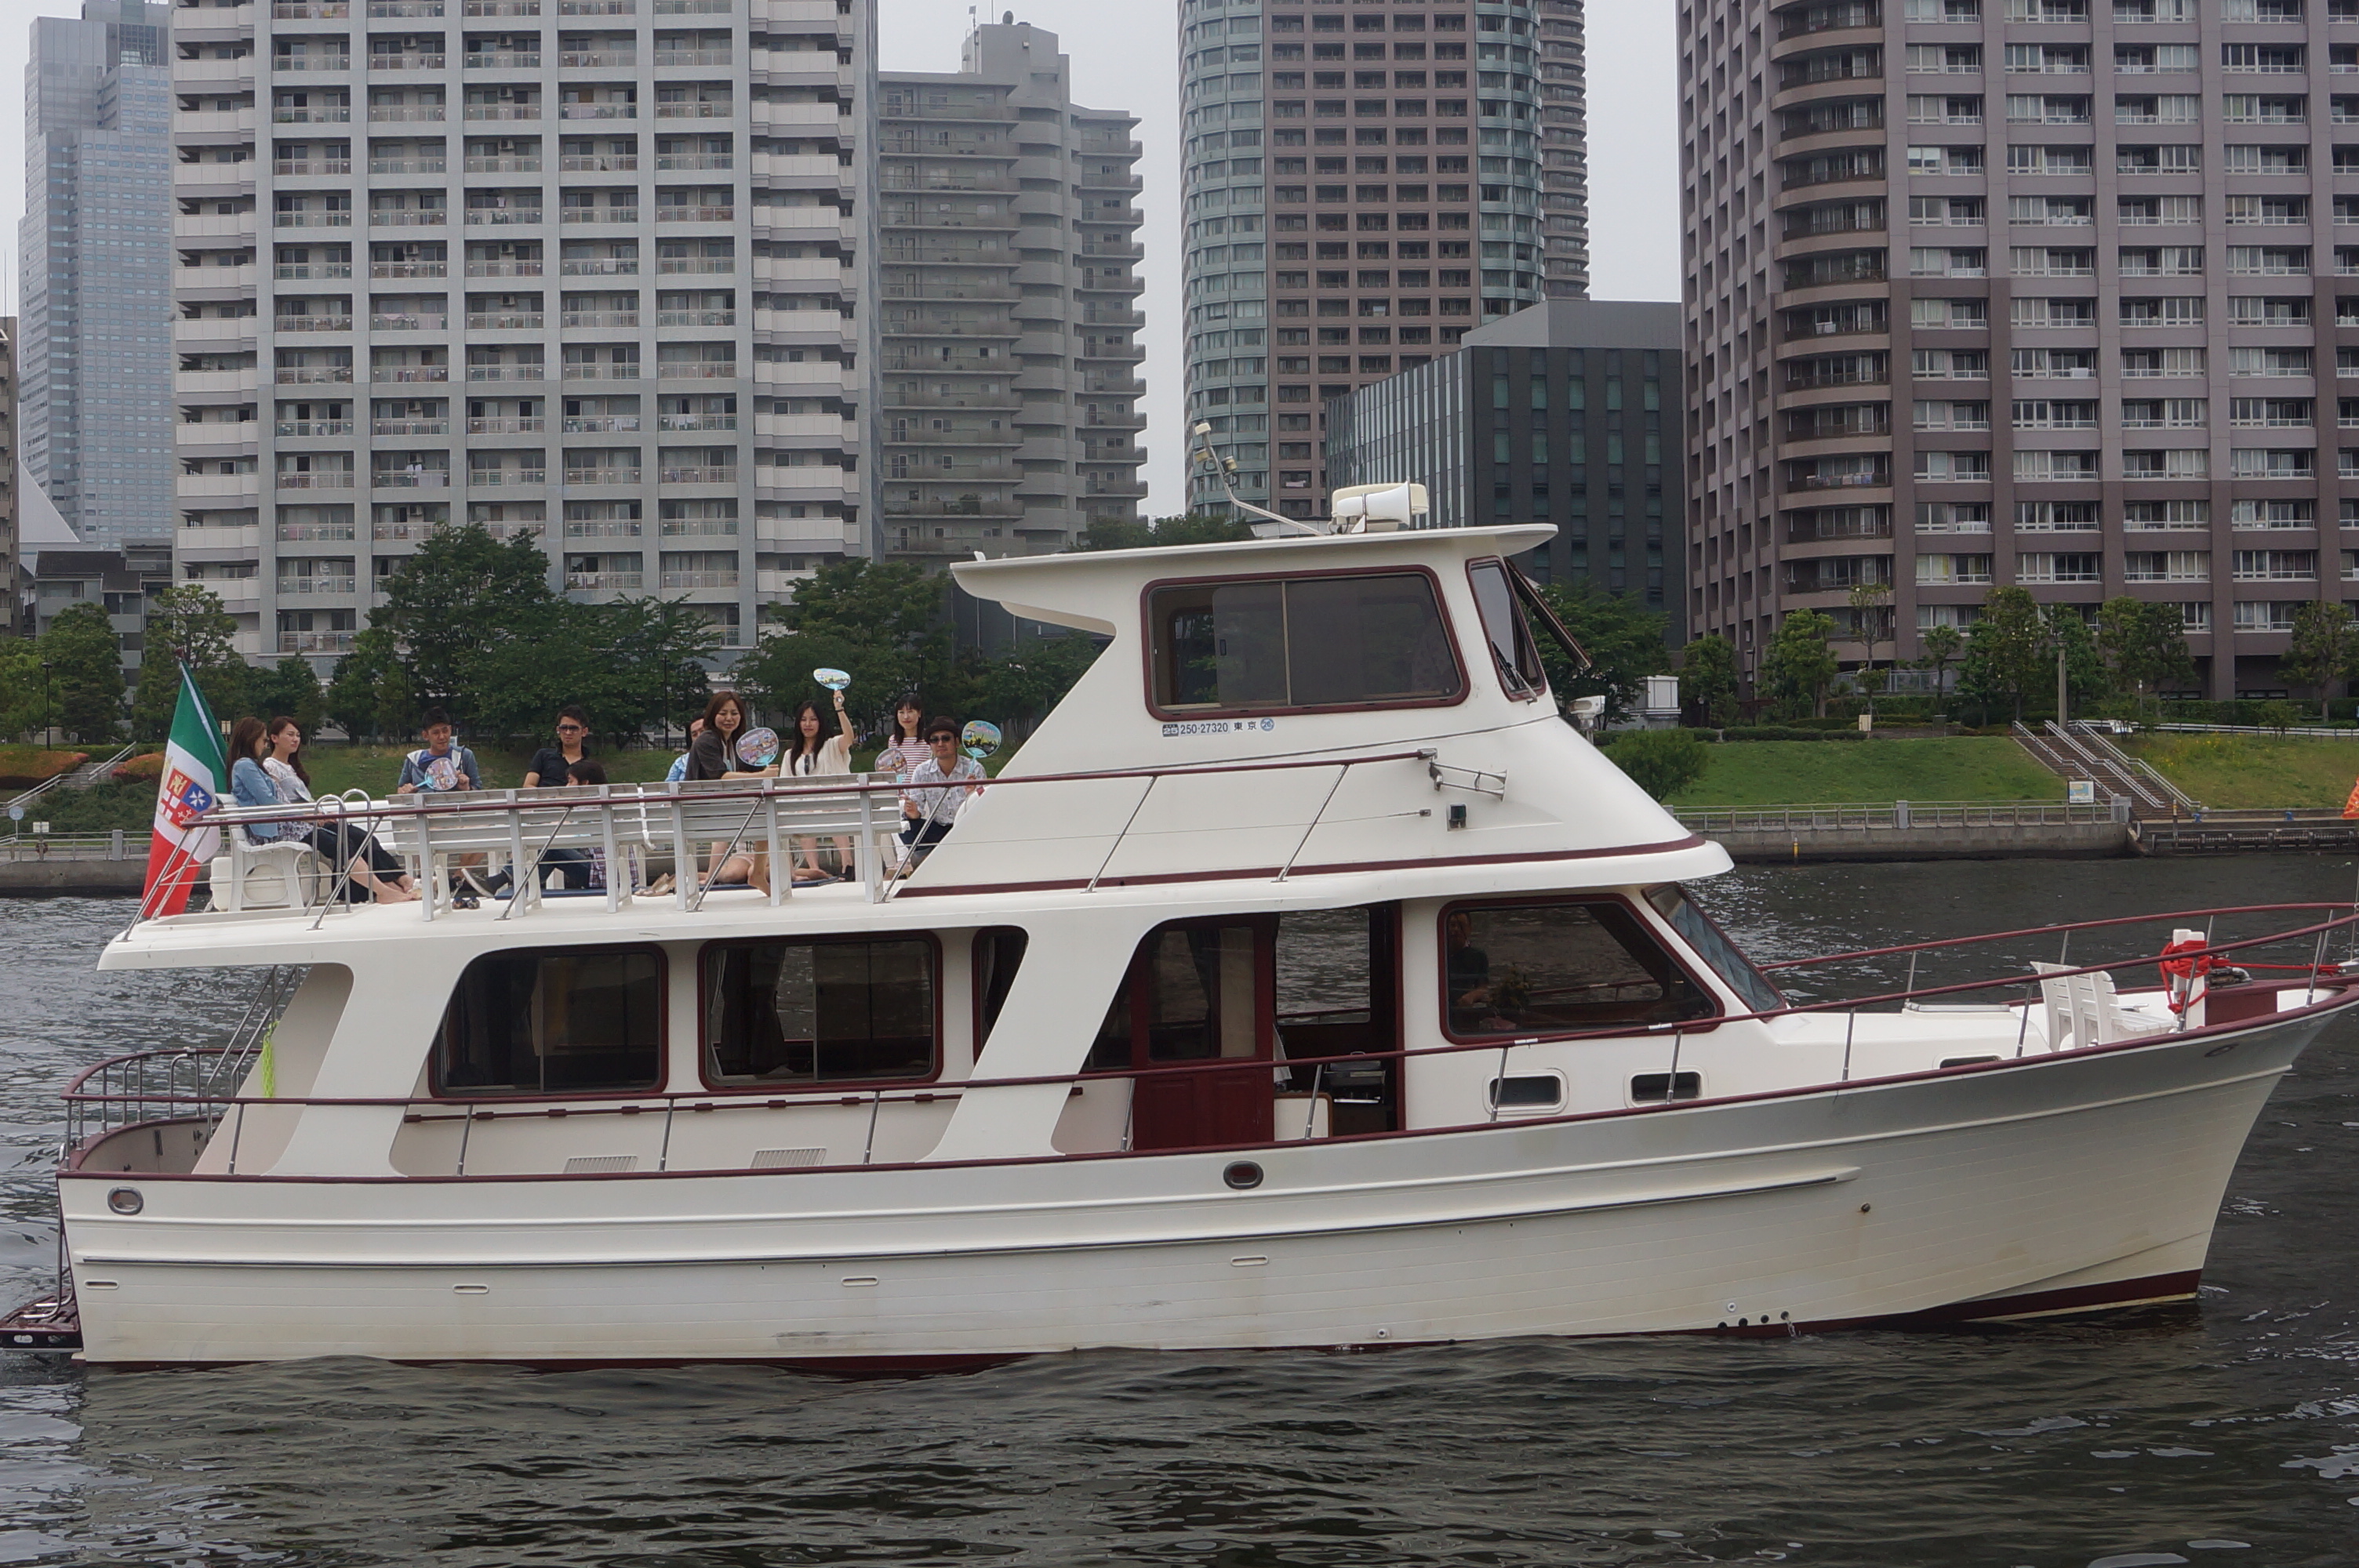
2232	771
1799	772
376	769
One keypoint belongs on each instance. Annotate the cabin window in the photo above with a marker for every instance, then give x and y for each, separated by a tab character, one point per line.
1544	968
1513	653
570	1022
1293	644
1193	993
1713	946
820	1012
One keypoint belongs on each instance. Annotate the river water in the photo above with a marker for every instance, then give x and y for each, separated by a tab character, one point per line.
2222	1434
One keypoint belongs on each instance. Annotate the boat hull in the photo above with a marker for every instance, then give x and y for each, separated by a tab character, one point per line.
2051	1183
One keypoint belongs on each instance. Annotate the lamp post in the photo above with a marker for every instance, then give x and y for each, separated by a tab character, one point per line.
48	738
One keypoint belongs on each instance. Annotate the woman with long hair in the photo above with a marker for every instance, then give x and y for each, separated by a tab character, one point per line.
714	756
267	770
812	753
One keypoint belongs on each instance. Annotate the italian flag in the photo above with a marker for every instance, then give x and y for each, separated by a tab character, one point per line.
196	775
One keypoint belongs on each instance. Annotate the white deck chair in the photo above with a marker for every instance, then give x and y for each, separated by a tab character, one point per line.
280	875
2086	1009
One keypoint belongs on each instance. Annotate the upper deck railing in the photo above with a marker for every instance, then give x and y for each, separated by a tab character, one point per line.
628	823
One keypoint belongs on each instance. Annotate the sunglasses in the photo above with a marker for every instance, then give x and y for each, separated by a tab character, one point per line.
569	729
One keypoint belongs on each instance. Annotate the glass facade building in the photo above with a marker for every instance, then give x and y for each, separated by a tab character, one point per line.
1565	412
1362	184
94	350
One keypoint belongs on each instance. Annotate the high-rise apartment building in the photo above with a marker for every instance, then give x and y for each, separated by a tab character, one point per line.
95	252
587	269
12	582
2037	292
1362	184
1007	399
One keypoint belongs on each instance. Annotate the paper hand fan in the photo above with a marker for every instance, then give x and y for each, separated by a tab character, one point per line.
442	773
834	680
758	748
981	738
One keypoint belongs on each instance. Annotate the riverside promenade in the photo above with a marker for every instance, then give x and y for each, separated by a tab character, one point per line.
1917	830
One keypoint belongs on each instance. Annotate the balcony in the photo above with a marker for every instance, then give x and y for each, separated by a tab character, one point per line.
696	318
504	269
601	371
311	533
310	324
723	473
693	57
700	580
600	266
598	60
408	218
603	476
312	427
598	424
405	375
698	369
672	265
505	321
596	112
493	217
697	422
702	160
309	10
697	110
597	215
283	64
490	478
393	113
499	112
505	372
407	478
602	528
297	165
341	480
409	427
315	642
605	582
313	114
513	427
408	321
306	220
598	163
317	585
407	269
692	7
382	9
498	165
598	318
405	60
502	8
682	214
597	7
313	375
515	60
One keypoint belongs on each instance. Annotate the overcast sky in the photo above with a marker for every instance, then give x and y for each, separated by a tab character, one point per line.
1126	56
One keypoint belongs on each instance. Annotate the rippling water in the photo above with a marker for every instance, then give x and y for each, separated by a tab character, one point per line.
2222	1434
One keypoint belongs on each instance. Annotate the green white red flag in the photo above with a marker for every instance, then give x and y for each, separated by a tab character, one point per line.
195	777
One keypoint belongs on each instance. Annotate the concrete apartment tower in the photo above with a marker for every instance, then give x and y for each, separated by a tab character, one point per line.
12	573
1008	401
95	257
589	269
1364	182
2040	292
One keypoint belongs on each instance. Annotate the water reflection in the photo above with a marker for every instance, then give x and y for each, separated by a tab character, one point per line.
2178	1434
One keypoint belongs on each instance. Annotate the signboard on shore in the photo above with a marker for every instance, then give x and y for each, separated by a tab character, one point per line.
2079	792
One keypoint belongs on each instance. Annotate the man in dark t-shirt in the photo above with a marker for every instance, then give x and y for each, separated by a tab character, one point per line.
550	763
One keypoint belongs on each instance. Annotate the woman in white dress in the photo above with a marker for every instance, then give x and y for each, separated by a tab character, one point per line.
813	754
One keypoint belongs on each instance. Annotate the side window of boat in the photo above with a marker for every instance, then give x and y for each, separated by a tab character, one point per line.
780	1013
1513	653
554	1022
1544	968
1292	643
1713	946
1194	992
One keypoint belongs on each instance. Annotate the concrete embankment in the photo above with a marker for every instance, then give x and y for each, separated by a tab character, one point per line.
74	874
2056	840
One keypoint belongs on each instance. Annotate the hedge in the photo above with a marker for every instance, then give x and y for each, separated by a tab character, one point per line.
22	767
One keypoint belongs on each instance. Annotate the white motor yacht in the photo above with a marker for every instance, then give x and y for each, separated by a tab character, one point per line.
1306	980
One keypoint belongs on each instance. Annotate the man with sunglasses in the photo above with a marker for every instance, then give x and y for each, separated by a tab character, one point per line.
930	810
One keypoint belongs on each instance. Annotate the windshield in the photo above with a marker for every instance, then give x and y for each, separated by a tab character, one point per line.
1513	651
1713	946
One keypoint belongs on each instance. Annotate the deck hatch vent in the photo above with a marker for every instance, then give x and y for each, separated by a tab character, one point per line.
787	1159
588	1165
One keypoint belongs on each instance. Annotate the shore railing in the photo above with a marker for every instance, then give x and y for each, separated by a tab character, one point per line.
205	1084
1895	814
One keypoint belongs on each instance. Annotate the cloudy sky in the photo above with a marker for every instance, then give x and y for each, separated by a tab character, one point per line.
1125	56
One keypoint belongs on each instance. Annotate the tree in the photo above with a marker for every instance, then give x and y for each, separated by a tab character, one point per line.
1942	645
628	663
1871	613
1800	666
371	693
2008	653
186	625
1129	533
2086	679
1019	686
20	687
462	590
2324	651
290	688
880	623
1623	638
86	671
1660	761
2144	644
1708	680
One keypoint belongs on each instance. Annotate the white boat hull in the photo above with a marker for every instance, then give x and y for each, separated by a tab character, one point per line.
2052	1183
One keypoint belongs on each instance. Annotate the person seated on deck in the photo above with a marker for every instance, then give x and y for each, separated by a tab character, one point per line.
439	765
932	811
578	772
267	770
713	755
548	770
812	753
679	769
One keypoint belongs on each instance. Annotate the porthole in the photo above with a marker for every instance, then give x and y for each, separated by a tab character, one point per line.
125	1200
1528	1092
1241	1174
